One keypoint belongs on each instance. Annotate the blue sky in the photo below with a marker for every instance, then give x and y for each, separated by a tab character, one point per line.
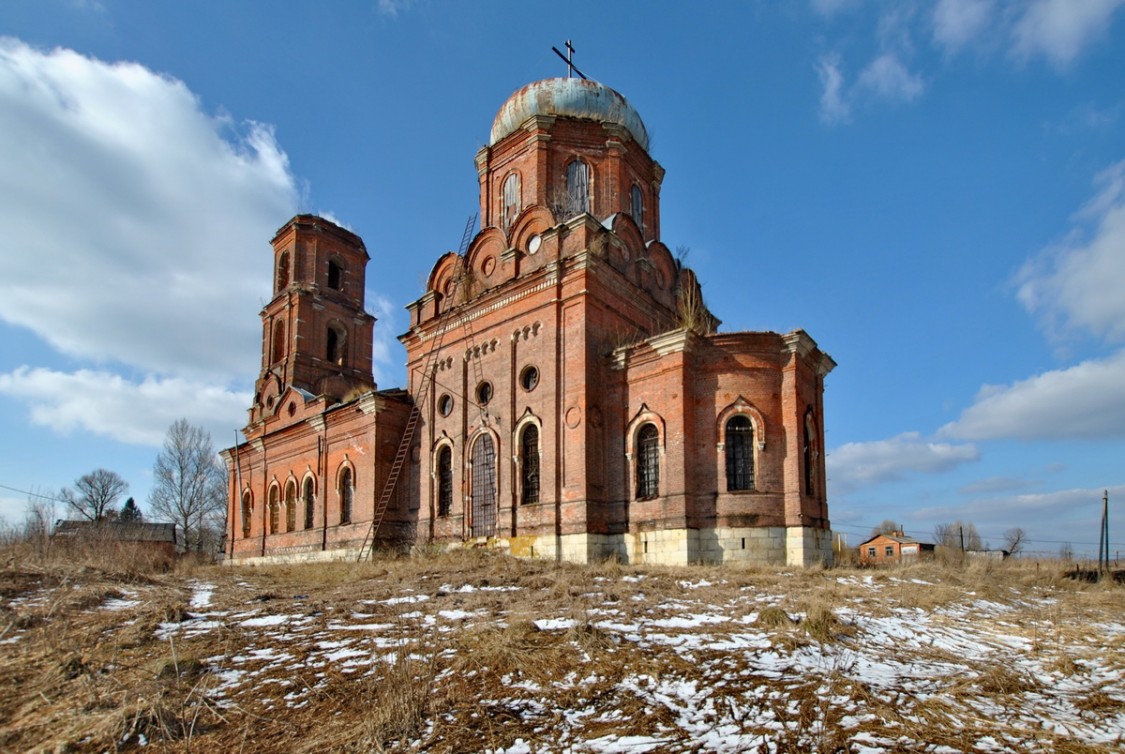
935	191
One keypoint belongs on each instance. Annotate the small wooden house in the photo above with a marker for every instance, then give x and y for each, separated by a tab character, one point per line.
893	547
155	539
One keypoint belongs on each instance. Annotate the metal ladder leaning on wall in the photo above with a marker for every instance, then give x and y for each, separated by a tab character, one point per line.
460	272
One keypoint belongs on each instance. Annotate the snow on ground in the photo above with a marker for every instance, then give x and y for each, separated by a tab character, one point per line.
735	685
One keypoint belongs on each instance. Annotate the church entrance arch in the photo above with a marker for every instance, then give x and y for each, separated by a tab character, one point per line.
483	521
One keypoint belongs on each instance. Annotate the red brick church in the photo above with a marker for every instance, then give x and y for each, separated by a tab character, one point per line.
569	394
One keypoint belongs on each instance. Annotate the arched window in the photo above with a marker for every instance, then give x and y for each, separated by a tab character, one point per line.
484	487
739	442
291	506
810	455
275	521
648	462
247	512
578	187
445	480
347	496
529	465
335	274
310	502
278	341
337	351
511	200
282	271
637	206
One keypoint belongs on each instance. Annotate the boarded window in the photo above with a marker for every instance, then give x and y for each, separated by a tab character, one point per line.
810	455
347	496
291	507
282	271
648	462
739	442
275	520
278	341
310	502
529	465
511	200
578	187
247	513
445	480
484	488
637	208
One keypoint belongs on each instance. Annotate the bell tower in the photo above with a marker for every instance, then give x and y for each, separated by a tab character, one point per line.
316	335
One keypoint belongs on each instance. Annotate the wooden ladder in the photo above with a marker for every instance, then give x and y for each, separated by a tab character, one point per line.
412	420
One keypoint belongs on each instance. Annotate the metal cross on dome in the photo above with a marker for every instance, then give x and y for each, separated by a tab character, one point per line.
571	68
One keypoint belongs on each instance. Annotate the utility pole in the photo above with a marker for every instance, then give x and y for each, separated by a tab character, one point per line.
1103	535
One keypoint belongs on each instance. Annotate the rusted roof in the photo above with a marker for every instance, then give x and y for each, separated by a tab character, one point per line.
574	98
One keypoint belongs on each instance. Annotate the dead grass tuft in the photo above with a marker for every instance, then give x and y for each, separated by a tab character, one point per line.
773	617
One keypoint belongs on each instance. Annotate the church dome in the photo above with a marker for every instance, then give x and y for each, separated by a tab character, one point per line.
573	98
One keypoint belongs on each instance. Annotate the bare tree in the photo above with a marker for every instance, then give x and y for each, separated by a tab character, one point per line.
1014	539
39	519
887	527
96	494
189	485
956	534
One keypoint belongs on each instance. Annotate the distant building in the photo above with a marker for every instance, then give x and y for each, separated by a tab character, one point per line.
987	554
569	395
153	538
894	547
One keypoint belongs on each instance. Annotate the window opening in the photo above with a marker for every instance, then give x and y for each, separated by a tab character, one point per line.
337	350
445	405
648	462
870	552
739	443
347	492
638	206
484	488
445	480
529	378
889	551
511	200
484	393
247	513
578	187
310	502
290	507
529	464
335	274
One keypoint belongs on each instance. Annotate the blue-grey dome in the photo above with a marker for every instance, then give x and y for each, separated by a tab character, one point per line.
574	98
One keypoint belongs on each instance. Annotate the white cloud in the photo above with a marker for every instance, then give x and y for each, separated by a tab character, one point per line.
1060	29
136	226
108	405
1077	285
888	78
1051	511
957	22
391	8
1086	401
386	353
864	464
833	105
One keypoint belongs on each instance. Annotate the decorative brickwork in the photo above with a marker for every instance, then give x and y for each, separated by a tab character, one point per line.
581	400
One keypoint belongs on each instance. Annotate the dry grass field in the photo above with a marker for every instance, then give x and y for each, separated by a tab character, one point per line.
473	651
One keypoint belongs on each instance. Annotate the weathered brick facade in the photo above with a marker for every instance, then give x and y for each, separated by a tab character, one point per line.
575	399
